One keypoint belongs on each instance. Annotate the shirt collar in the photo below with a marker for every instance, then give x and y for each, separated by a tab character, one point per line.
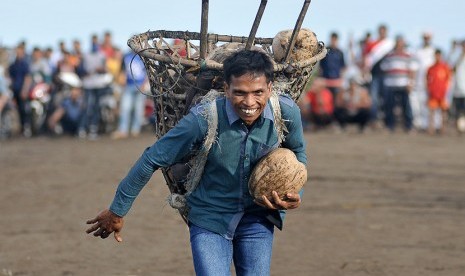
233	117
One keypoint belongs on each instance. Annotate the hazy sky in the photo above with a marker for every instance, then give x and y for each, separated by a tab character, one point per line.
45	22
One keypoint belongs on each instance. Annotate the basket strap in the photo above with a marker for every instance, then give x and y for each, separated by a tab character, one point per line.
197	162
279	125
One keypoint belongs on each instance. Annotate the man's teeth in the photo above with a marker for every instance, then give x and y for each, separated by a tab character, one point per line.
249	111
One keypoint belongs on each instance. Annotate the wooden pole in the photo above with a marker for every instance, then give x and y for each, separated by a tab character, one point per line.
255	25
204	30
298	24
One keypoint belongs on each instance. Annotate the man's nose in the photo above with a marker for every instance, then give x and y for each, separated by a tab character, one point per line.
249	99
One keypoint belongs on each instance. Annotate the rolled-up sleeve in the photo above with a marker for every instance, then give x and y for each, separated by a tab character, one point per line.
170	149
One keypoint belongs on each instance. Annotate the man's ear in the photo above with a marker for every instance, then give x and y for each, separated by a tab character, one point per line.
226	88
270	86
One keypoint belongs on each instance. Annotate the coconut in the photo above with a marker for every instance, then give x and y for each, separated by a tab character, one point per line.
220	53
278	171
305	47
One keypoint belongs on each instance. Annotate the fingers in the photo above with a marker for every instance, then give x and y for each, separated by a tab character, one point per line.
293	197
118	236
92	221
98	232
105	234
291	201
92	229
267	203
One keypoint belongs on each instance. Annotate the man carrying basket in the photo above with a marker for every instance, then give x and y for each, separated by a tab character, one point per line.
226	223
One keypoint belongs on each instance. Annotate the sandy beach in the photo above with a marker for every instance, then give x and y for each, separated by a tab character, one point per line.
374	204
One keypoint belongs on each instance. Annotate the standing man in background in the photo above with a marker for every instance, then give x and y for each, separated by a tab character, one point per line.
132	100
419	95
398	68
21	81
375	51
333	66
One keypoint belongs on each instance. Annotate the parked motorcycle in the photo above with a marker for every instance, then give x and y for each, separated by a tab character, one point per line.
108	108
39	97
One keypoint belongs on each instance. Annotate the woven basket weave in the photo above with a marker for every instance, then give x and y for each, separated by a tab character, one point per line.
176	80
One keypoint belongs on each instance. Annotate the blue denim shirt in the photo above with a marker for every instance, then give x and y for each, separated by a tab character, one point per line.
222	196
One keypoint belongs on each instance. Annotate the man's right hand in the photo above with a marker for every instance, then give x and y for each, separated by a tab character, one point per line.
105	223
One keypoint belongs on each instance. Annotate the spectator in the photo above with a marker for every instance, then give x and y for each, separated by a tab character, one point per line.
4	92
132	100
67	116
398	68
353	106
107	47
76	56
57	56
438	79
333	66
459	90
95	45
21	81
40	68
321	101
375	51
96	82
419	95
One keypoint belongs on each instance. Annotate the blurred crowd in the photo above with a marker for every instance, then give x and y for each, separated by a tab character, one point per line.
382	82
377	83
68	91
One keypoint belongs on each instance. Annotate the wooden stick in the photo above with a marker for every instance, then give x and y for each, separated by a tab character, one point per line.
298	24
253	31
204	30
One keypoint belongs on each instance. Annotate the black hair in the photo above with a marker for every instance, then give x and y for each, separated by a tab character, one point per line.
248	61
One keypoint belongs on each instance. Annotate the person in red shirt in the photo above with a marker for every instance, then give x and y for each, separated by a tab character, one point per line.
320	101
438	78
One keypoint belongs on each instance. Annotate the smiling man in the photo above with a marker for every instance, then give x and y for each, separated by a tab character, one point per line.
226	224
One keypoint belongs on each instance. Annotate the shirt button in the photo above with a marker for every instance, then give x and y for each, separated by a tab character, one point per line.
246	156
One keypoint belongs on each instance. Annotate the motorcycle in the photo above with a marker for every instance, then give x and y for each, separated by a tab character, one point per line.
108	111
39	97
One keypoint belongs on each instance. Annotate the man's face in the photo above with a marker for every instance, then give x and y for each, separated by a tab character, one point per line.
248	94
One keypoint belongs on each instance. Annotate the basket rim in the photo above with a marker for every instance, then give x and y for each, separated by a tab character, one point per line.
135	44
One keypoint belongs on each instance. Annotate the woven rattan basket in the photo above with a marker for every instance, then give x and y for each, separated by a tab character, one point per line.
180	76
176	80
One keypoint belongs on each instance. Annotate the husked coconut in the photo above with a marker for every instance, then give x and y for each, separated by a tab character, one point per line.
305	47
222	52
278	171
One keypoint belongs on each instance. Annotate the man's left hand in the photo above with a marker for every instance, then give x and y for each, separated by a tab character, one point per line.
292	201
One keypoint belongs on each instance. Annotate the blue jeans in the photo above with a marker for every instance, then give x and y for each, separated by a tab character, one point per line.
250	249
91	116
131	101
401	95
377	95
